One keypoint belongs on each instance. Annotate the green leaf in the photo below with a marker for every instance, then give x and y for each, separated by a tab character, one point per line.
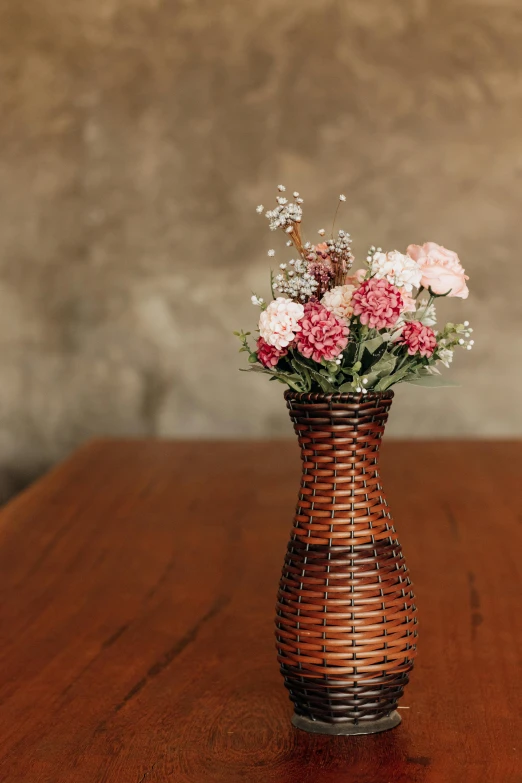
315	374
323	382
389	380
432	381
370	350
382	368
373	344
349	353
304	373
291	379
347	387
385	364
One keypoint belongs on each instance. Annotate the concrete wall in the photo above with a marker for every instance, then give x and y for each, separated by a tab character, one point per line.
138	136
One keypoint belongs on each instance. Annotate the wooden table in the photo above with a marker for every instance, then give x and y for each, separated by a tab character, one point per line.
138	591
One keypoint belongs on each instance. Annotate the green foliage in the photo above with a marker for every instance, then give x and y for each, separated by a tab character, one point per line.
371	361
432	381
243	338
291	379
371	345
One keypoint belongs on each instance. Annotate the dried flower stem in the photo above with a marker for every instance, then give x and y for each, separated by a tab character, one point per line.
295	236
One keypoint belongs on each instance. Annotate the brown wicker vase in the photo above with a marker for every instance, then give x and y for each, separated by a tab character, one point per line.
346	618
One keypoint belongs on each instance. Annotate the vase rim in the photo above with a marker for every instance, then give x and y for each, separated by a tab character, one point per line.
338	396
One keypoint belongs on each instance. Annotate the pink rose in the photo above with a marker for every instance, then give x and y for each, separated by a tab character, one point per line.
441	269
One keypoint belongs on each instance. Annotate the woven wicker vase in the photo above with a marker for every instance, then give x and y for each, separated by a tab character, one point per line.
346	618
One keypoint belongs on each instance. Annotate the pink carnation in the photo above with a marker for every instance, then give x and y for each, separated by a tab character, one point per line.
378	303
322	335
419	338
268	354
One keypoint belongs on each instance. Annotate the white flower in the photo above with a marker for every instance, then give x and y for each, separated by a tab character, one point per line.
296	194
342	197
446	356
398	269
256	300
271	253
338	301
321	232
259	209
296	282
281	188
279	323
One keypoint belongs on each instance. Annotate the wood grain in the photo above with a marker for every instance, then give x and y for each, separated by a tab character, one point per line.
138	592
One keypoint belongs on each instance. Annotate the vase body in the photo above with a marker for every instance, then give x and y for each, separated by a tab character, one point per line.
346	618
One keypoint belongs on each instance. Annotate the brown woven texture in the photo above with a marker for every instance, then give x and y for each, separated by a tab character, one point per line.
346	618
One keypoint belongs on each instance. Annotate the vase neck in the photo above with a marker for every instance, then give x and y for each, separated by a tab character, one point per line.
330	427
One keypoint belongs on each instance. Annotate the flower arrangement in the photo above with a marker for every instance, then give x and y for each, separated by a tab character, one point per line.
327	330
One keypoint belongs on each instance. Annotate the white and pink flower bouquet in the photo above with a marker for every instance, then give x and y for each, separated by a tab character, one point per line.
327	330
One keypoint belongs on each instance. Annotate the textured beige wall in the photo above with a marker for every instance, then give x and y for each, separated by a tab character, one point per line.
137	136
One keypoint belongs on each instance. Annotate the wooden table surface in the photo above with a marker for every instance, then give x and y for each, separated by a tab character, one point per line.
137	619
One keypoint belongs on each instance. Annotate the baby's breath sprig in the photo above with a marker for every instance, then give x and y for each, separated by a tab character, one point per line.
371	252
454	336
287	216
340	252
295	280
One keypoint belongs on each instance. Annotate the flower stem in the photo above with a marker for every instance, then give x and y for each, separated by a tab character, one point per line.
335	218
430	300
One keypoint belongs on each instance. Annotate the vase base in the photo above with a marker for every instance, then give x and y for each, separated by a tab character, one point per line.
345	729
